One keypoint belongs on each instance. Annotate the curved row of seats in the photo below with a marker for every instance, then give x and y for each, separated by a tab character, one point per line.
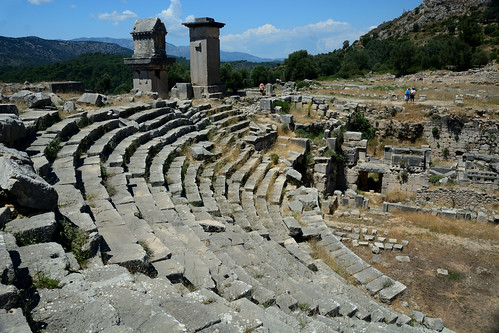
212	230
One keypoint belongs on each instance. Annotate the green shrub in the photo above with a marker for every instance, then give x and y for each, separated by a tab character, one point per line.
358	122
52	149
435	178
302	84
284	105
445	152
404	176
42	281
274	158
436	132
285	128
73	239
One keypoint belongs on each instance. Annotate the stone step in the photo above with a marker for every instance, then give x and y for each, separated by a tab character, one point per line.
104	145
256	177
276	189
160	120
145	115
174	176
243	173
217	117
264	185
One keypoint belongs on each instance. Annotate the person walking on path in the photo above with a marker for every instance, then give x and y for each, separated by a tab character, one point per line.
406	95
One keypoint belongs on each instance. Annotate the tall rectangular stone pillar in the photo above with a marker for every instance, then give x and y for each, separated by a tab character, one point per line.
204	36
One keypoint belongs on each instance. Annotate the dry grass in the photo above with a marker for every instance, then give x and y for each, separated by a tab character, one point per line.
283	149
318	252
448	226
399	196
301	115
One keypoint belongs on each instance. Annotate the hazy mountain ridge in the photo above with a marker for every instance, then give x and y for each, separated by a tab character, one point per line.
38	51
180	51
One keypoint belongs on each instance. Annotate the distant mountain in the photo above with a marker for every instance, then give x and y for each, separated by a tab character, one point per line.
179	51
37	51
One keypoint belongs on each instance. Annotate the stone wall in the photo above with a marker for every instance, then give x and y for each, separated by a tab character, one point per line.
477	136
450	197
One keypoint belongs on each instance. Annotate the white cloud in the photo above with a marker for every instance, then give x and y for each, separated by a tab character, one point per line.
72	5
39	2
172	18
116	17
320	37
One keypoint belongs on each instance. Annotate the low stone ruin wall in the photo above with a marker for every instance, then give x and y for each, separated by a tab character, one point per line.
481	216
450	197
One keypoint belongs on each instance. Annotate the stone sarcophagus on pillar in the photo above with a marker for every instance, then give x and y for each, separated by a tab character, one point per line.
149	61
204	35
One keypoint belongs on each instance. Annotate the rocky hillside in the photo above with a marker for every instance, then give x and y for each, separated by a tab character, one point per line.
37	51
431	13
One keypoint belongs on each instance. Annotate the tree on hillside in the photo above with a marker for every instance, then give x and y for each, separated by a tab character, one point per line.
259	74
299	66
402	56
177	73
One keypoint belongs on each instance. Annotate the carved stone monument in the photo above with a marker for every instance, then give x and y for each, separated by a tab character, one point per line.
149	61
204	35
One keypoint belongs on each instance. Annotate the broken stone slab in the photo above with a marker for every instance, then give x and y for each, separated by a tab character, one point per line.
295	206
379	245
9	109
435	324
398	247
9	297
367	275
12	129
441	271
37	100
6	265
388	247
387	295
377	284
193	315
212	226
417	316
200	153
402	258
294	228
170	269
13	321
20	181
39	228
5	216
293	175
93	99
46	259
236	290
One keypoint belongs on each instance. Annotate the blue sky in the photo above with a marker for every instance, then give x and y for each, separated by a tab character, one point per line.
270	29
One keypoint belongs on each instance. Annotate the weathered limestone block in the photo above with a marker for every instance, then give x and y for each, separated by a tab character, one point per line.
93	99
20	181
48	259
37	100
9	297
212	226
13	321
9	109
40	227
12	129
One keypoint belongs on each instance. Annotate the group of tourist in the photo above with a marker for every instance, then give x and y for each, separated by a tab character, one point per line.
410	93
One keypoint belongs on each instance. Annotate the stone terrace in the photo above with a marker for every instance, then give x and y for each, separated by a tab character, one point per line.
188	228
